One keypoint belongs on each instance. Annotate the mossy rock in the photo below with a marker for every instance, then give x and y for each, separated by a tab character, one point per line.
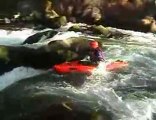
4	53
101	30
63	20
75	28
56	22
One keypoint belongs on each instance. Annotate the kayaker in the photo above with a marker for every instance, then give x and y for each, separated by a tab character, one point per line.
96	54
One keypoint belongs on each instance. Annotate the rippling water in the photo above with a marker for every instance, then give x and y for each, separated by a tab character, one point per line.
128	94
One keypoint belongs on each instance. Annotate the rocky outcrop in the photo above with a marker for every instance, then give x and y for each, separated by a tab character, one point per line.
106	32
126	14
37	58
46	56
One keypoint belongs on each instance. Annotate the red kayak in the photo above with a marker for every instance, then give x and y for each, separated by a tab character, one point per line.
116	65
81	67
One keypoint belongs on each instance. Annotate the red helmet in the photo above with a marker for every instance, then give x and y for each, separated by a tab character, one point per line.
94	44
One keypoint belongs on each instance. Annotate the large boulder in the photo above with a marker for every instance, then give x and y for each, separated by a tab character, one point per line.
45	56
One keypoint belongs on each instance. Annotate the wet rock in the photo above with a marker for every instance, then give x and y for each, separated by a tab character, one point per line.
75	28
40	36
78	45
37	58
44	57
91	29
107	32
55	22
149	24
50	13
101	30
86	29
4	54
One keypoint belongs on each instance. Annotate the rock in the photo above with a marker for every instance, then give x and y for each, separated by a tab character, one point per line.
29	57
108	32
76	45
153	26
4	54
125	14
40	36
44	57
101	30
75	28
82	28
149	24
50	13
55	22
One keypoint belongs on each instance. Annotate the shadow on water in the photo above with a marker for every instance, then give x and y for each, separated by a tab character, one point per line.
36	99
6	67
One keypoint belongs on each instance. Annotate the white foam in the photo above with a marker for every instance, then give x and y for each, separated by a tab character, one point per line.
141	37
22	34
101	69
17	74
65	35
8	37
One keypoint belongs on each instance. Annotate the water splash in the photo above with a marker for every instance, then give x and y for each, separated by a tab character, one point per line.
17	74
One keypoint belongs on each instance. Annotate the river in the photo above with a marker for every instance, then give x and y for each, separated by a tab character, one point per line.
128	94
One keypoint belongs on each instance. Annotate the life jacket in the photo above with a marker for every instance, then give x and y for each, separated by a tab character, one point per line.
97	55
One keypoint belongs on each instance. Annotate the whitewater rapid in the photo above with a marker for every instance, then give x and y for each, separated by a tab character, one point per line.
108	90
